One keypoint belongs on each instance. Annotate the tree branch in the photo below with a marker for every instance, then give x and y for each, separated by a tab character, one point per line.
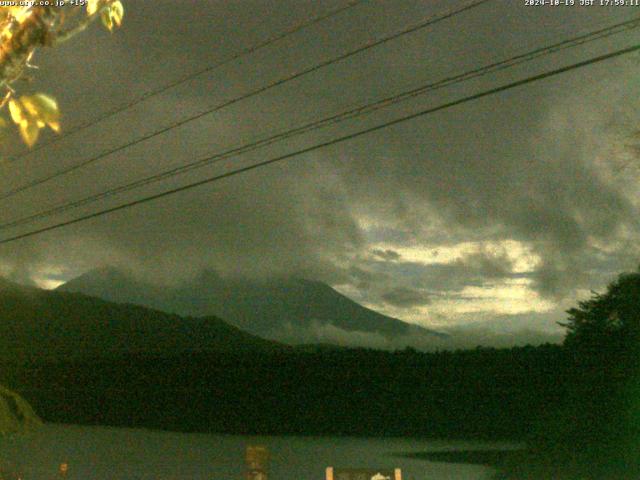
34	32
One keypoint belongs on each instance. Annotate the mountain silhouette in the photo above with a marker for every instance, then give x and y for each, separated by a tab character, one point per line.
290	310
41	324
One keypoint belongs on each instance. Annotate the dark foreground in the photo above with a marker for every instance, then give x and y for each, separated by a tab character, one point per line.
490	458
100	453
484	393
559	402
524	464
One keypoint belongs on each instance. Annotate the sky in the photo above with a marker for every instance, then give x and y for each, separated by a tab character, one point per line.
492	216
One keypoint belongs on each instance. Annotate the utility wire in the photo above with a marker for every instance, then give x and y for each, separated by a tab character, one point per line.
187	78
328	143
334	119
429	21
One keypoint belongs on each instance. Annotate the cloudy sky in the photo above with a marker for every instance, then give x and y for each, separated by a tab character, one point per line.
499	213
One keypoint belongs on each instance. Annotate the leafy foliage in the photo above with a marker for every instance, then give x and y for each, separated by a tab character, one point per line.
25	28
593	430
608	321
112	16
31	113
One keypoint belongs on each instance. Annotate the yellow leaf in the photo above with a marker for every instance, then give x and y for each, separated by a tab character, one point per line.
17	13
117	12
112	15
42	107
34	112
92	6
29	106
16	112
105	16
29	132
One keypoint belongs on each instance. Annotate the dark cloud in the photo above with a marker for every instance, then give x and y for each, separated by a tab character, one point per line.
534	165
406	297
409	283
386	254
484	265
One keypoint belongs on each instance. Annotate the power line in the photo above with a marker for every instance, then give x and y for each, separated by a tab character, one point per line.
431	20
187	78
328	143
334	119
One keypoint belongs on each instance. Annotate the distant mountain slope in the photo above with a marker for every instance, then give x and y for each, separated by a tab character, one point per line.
292	310
37	323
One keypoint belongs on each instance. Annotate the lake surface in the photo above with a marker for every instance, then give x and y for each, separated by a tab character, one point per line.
115	453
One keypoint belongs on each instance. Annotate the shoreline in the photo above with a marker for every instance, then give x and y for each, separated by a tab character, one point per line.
487	457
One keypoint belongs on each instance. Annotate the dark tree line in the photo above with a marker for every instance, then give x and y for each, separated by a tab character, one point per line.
481	393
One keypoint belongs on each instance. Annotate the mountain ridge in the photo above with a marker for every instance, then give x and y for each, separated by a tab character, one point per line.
291	310
37	323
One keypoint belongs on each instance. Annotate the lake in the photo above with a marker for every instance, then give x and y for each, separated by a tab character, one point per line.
118	453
